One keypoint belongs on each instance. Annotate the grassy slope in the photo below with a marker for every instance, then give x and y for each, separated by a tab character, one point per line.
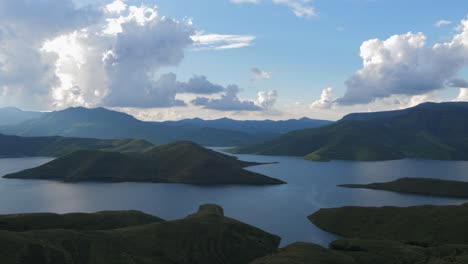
428	131
181	162
75	221
205	237
433	187
419	224
15	146
387	235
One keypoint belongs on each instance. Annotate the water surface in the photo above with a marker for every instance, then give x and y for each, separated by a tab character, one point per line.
281	210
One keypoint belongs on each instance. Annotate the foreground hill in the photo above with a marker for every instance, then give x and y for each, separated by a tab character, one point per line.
426	225
209	237
75	221
15	146
204	237
108	124
363	251
180	162
427	131
387	235
424	186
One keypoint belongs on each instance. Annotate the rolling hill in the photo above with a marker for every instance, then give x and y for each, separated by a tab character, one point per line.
427	131
204	237
180	162
15	146
108	124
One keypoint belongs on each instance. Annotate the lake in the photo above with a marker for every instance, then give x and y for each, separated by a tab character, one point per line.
281	210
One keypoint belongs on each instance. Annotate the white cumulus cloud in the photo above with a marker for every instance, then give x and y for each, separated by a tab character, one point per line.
55	55
266	100
405	65
326	99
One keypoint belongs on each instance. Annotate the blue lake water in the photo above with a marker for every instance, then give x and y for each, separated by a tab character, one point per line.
281	210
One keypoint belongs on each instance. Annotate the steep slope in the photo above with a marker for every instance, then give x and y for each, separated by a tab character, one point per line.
15	146
107	124
427	131
180	162
205	237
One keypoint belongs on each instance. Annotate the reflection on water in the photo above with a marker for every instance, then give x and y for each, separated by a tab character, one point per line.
281	210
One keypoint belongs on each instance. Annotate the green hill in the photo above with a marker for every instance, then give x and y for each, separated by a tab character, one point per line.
428	131
205	237
75	221
418	224
180	162
424	186
385	235
14	146
361	251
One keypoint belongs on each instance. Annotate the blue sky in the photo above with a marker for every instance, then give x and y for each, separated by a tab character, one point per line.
305	54
302	56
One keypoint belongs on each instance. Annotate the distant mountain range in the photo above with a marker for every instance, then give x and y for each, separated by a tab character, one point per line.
427	131
12	116
108	124
16	146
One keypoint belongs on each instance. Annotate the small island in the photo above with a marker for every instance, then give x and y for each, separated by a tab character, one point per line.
180	162
423	186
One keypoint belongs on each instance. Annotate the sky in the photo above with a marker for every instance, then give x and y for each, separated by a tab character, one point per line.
242	59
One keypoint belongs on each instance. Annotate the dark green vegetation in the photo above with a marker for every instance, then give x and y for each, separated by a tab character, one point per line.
15	146
387	235
107	124
305	253
433	187
180	162
422	225
204	237
75	221
427	131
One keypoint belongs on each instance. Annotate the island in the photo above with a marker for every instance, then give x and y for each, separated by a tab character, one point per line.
179	162
423	186
204	237
435	131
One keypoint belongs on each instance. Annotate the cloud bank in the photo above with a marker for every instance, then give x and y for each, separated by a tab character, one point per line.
55	55
405	65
